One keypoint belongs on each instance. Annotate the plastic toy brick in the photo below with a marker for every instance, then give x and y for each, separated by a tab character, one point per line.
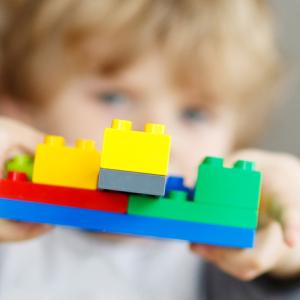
238	186
145	151
20	163
176	183
57	164
176	206
17	187
132	182
225	196
126	224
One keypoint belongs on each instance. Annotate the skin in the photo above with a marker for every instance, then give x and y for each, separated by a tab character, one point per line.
145	92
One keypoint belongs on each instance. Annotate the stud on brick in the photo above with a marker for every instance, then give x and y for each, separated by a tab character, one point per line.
176	183
20	163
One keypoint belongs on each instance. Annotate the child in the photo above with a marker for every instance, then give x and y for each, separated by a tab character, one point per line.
207	69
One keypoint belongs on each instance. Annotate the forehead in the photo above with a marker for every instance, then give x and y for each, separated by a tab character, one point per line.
218	68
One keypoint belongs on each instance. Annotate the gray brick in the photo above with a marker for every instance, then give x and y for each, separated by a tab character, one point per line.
132	182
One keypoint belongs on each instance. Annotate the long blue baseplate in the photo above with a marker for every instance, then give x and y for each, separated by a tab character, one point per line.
126	224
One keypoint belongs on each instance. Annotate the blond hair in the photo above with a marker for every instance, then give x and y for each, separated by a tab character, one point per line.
227	45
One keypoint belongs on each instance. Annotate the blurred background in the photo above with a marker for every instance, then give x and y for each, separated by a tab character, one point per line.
284	130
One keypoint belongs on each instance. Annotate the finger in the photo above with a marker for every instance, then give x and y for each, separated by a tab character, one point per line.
246	264
17	139
25	142
281	189
286	212
18	134
291	226
11	231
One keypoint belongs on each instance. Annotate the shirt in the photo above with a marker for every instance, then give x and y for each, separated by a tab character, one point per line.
71	264
68	264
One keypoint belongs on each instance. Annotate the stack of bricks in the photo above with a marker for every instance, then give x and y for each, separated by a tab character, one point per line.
227	197
123	190
134	161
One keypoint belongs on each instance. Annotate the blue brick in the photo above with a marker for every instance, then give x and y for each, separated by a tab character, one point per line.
126	224
176	183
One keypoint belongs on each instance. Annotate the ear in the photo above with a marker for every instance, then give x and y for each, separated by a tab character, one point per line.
14	108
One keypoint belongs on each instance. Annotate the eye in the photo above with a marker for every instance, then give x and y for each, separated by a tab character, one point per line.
113	98
194	115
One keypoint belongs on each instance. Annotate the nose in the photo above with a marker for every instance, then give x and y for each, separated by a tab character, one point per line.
159	110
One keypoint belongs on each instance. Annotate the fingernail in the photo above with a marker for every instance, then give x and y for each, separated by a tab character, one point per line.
292	237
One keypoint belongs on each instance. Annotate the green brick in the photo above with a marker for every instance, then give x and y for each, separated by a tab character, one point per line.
177	207
20	163
238	186
224	196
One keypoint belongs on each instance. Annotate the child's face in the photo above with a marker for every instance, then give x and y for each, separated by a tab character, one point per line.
143	93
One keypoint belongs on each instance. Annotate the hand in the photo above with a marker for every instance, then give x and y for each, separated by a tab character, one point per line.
16	138
277	247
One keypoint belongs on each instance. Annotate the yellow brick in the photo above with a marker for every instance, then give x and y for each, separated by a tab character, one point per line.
57	164
145	151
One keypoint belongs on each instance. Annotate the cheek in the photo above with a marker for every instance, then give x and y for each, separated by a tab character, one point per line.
73	116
